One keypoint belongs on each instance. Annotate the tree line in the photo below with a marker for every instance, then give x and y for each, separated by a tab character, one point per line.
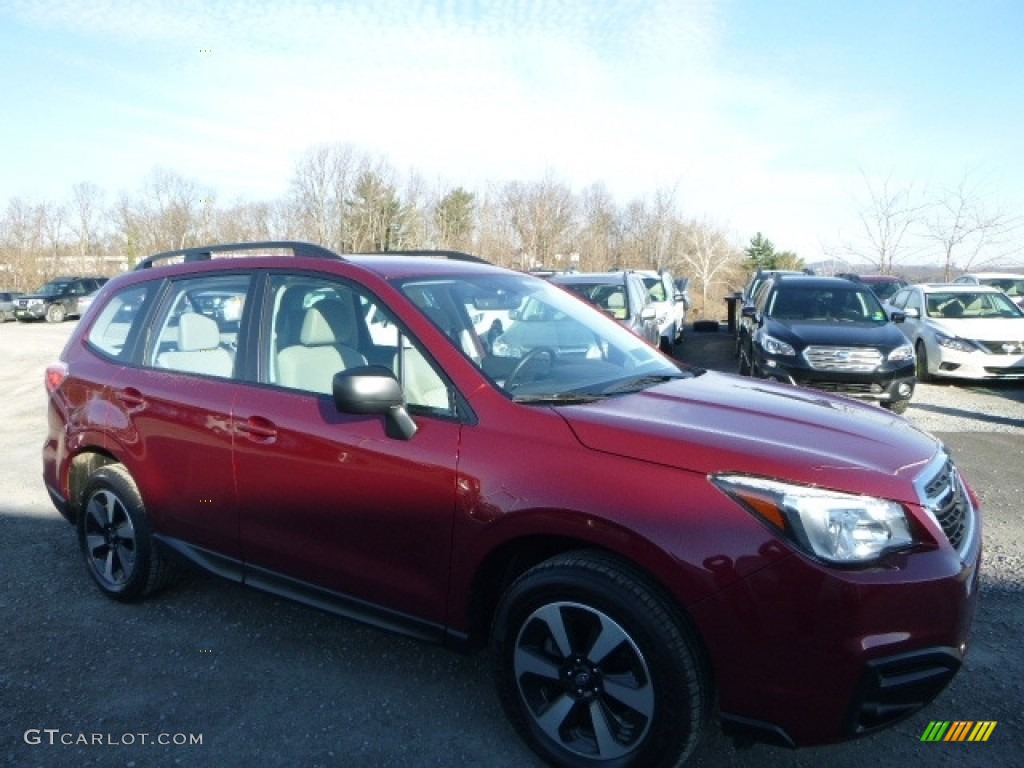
352	202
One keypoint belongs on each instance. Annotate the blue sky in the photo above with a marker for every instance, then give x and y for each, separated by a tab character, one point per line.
762	115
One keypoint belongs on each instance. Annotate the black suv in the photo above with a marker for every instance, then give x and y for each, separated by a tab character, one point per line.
831	334
57	300
748	295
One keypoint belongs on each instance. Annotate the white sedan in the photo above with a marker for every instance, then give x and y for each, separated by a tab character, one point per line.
962	331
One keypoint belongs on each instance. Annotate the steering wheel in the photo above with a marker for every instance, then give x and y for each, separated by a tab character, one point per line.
533	354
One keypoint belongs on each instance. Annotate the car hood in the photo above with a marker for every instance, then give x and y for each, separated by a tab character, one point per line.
723	423
846	334
981	328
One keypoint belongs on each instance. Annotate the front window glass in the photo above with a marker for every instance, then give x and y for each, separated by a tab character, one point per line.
320	327
537	342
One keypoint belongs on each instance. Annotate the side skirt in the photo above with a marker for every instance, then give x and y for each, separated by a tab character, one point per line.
304	592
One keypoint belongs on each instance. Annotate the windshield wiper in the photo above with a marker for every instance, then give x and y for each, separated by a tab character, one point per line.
637	383
561	398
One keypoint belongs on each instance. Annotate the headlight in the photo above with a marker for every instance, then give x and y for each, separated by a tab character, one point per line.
775	347
906	352
951	342
836	527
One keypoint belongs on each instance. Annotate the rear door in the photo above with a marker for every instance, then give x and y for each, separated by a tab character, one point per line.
176	410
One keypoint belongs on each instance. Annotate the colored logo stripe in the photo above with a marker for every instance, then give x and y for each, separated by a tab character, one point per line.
958	730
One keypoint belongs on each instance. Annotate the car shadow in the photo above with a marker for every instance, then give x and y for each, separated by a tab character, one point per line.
961	413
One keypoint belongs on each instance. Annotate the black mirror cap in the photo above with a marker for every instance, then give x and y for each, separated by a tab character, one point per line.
898	317
373	389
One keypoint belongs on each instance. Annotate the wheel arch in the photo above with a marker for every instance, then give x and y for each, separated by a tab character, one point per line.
80	468
507	562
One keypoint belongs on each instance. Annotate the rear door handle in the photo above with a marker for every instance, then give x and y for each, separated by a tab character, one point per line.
131	398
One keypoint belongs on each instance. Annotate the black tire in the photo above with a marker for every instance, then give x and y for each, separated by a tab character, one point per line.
744	366
922	363
898	406
558	692
115	538
55	313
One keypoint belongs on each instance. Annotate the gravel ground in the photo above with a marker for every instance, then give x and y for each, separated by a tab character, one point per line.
264	682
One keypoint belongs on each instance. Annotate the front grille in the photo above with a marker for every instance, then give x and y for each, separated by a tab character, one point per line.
1003	347
851	359
844	388
943	494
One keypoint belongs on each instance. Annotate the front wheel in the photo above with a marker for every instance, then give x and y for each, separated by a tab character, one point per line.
923	375
115	537
55	313
595	668
898	406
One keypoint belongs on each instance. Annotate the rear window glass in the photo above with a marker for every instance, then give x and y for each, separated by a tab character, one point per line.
111	330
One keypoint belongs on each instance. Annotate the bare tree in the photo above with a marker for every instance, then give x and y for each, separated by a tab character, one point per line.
85	222
600	235
708	257
887	217
969	232
542	215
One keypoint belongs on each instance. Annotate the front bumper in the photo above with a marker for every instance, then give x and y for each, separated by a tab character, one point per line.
976	365
31	312
804	654
881	386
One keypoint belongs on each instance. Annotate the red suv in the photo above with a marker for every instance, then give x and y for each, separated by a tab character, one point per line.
642	544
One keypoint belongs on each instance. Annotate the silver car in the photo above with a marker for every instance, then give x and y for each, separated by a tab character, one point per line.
962	331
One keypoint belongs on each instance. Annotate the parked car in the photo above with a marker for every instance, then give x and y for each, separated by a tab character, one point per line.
7	299
831	334
1010	283
57	300
743	328
884	286
622	295
963	331
642	544
662	290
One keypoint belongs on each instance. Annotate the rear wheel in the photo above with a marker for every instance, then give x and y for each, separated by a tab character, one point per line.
923	374
594	667
115	537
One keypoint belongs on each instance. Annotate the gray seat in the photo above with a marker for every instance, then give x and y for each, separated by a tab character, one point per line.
199	349
327	345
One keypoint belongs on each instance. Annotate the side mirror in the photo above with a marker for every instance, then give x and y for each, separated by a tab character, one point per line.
648	313
373	389
898	317
749	311
912	312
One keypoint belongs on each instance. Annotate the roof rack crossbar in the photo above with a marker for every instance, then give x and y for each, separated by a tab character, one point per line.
206	252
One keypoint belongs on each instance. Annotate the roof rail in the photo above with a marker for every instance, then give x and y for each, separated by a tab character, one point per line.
297	247
206	252
435	254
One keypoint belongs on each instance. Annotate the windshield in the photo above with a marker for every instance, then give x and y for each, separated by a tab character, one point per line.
855	304
54	289
537	342
1011	286
966	305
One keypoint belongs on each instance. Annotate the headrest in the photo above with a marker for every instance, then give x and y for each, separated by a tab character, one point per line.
196	331
329	321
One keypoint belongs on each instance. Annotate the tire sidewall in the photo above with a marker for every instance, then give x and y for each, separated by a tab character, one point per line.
55	313
114	479
668	738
